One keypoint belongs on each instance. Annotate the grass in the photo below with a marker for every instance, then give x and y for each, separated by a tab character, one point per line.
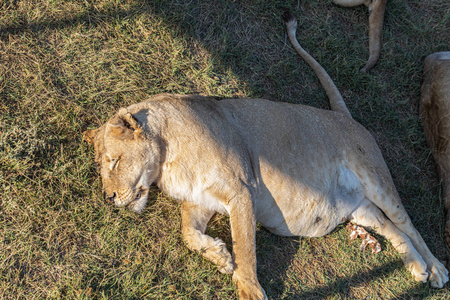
66	66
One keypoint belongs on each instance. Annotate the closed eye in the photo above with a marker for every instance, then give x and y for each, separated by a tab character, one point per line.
114	163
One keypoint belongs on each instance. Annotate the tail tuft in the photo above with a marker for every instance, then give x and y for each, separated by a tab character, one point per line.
288	16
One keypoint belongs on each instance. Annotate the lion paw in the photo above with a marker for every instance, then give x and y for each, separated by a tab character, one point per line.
226	267
245	295
438	276
421	276
249	289
222	257
418	269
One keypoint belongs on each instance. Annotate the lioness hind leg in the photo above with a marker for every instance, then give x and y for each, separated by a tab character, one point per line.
380	191
193	226
368	215
438	272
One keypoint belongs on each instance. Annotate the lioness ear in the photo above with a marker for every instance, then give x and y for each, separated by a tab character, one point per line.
89	135
123	126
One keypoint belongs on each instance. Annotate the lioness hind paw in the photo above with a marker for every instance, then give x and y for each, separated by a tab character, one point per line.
438	276
422	277
418	270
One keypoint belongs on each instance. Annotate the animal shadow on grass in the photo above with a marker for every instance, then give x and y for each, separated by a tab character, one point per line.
277	257
225	29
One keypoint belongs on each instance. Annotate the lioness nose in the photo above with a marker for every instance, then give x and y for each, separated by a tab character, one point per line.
110	198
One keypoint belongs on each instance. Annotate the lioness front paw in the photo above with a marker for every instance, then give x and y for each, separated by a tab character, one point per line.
245	295
438	276
222	257
227	267
249	289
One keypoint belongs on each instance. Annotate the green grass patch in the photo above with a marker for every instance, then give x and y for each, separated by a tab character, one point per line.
66	66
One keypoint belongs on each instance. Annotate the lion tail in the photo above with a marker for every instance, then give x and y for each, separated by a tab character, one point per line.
336	101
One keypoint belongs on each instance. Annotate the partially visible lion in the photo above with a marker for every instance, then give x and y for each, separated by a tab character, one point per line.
296	169
435	110
376	18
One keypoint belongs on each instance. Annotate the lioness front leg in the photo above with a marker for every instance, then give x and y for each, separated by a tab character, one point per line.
243	231
194	220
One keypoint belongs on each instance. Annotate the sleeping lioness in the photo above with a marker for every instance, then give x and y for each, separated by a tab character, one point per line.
295	169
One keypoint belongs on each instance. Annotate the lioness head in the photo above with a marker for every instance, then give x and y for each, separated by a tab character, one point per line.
128	160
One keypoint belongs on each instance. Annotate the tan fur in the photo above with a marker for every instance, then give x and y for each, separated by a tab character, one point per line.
295	169
376	18
435	109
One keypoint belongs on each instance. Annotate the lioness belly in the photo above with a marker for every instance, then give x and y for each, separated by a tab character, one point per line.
297	206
